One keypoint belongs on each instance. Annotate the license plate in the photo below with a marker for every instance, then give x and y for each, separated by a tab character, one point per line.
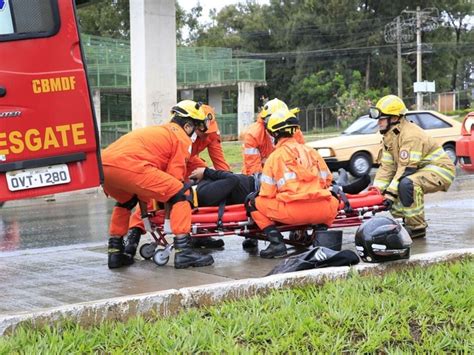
38	177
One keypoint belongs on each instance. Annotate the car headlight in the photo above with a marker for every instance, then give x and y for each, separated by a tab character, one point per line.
325	152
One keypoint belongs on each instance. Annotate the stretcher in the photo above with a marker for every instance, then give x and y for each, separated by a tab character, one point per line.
235	221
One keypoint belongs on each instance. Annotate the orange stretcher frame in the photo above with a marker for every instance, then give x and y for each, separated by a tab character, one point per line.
235	221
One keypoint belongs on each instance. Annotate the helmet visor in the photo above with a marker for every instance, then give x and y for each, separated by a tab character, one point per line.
375	113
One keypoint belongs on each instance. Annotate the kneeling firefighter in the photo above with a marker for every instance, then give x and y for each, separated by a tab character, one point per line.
150	163
412	164
294	187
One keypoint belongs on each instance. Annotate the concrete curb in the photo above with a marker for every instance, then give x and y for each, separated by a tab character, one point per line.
169	302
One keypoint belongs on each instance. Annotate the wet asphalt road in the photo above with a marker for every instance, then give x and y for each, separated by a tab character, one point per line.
54	253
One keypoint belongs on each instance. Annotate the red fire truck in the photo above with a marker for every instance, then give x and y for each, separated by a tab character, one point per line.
49	139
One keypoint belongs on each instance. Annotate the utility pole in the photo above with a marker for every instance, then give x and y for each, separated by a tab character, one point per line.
399	59
403	29
419	95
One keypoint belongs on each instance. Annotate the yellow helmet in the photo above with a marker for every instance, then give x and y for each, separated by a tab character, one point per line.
271	107
389	105
282	121
189	109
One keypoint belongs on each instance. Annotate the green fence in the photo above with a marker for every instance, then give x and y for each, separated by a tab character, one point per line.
220	72
111	131
228	124
108	62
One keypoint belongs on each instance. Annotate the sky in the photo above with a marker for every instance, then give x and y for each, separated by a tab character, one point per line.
210	4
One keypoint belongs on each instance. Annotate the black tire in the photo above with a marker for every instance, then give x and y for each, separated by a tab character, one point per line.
450	149
360	164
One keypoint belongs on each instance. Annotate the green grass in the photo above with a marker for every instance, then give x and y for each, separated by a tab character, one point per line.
410	311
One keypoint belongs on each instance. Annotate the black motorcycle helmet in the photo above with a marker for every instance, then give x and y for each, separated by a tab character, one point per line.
382	239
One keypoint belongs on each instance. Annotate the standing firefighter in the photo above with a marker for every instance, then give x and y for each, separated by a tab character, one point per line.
294	185
412	164
258	143
150	163
205	137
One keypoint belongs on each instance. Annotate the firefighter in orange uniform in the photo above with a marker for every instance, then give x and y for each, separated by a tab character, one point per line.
150	163
294	185
258	144
208	137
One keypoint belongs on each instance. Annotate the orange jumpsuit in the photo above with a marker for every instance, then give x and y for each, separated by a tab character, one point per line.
149	163
258	145
294	187
212	141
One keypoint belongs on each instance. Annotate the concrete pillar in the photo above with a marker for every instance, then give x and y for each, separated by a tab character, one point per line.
245	105
96	101
153	60
215	99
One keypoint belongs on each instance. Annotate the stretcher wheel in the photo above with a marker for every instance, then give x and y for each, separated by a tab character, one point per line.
147	250
161	257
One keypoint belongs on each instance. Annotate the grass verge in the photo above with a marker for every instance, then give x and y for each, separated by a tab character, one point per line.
418	310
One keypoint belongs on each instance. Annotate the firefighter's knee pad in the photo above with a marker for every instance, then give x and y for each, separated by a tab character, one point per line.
406	192
181	195
130	204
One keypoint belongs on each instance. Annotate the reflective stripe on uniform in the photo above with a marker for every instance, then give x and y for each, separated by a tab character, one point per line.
446	174
267	180
393	187
415	157
435	155
387	158
408	211
415	210
251	151
381	184
285	178
323	174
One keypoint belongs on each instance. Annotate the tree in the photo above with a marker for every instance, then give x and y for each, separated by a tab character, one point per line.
106	18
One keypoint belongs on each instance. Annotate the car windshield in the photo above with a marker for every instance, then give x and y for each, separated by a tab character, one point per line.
362	125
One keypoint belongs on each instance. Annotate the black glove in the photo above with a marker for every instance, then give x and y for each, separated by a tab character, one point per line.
388	203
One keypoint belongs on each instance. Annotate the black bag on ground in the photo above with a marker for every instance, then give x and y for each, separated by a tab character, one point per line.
318	257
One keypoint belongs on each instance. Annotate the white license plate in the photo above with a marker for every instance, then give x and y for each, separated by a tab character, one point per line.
38	177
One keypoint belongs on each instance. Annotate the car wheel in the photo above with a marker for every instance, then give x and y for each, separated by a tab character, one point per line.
360	164
451	151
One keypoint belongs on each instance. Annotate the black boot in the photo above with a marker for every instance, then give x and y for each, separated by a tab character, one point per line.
276	248
132	240
209	243
185	256
249	243
117	256
416	233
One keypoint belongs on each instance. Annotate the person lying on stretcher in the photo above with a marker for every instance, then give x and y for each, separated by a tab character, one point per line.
211	188
220	188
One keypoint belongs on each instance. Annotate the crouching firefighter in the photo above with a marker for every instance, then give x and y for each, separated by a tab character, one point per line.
412	164
150	163
294	186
